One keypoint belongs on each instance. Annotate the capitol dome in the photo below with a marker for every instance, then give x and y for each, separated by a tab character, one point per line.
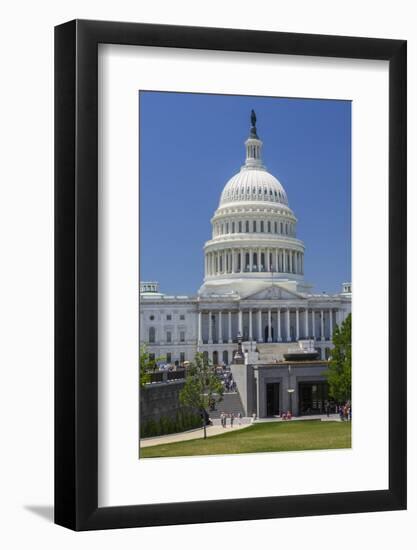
253	230
251	184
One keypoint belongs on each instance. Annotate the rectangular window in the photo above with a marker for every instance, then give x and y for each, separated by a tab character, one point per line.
168	357
182	317
240	227
276	227
169	336
169	317
262	227
269	227
182	336
254	226
233	227
182	357
227	228
151	357
247	227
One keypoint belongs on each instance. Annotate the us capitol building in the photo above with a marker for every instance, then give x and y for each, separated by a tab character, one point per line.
254	285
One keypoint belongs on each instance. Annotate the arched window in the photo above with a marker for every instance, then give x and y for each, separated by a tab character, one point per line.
151	335
226	357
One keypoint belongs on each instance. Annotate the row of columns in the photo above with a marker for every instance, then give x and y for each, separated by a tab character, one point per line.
298	320
240	260
239	227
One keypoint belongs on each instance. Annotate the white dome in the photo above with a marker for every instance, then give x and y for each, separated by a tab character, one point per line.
253	184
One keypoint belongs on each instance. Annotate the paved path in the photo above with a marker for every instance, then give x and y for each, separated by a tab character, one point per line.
322	417
216	429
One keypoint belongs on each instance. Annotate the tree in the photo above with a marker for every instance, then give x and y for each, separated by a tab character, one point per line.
201	387
339	374
146	365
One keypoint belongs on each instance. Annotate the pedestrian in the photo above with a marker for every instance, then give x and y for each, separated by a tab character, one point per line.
232	417
239	418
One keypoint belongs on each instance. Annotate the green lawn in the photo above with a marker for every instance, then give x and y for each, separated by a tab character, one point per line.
265	437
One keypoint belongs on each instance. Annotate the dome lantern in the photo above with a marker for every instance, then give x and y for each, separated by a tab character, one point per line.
253	147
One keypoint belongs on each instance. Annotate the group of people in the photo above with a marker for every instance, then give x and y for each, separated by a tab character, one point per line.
229	384
345	412
231	416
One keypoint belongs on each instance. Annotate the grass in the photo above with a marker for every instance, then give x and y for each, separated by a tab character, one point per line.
265	437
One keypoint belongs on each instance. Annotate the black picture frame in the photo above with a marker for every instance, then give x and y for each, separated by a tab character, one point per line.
76	272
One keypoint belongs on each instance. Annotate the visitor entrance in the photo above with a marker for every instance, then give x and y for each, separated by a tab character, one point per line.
313	397
272	399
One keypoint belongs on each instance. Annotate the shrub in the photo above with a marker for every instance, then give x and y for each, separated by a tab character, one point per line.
185	419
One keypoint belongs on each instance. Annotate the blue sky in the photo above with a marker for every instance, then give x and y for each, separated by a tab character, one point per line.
191	144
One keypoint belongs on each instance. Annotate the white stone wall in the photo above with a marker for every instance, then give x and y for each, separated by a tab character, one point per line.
177	315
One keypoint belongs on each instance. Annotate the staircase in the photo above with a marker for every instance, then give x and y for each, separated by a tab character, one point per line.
272	352
231	404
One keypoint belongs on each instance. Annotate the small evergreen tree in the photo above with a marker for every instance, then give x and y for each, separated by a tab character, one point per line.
201	387
339	374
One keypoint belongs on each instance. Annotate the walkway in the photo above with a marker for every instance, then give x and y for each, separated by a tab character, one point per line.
216	429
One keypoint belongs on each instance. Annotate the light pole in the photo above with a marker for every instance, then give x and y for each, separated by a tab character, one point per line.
290	392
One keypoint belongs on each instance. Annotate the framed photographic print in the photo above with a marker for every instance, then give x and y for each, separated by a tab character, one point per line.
230	275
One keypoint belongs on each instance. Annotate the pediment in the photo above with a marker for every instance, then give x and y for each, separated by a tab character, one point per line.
274	292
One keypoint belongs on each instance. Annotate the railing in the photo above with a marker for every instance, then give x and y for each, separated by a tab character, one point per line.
158	377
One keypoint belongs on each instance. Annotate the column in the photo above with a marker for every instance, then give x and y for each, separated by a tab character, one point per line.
313	324
250	260
269	326
220	328
306	324
267	263
331	323
200	336
321	324
260	339
297	324
233	261
279	325
276	260
240	319
230	327
288	324
210	335
250	325
284	260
